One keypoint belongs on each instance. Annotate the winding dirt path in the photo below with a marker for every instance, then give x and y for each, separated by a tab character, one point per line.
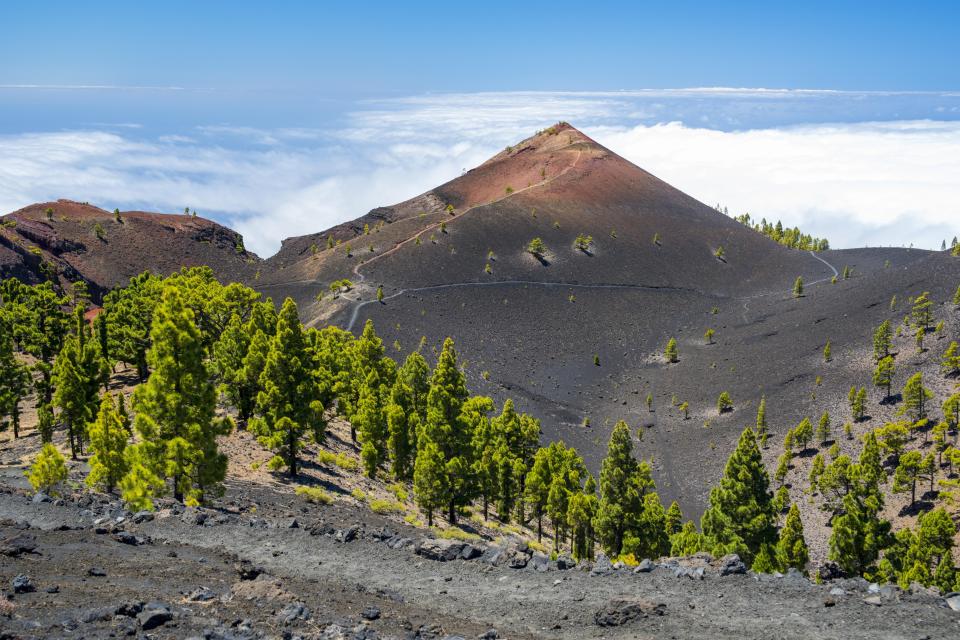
542	183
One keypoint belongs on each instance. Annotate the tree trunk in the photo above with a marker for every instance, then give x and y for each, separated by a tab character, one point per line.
540	527
429	517
486	507
452	513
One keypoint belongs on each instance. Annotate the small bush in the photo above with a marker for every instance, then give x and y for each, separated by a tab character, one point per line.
359	495
455	533
341	460
316	495
724	403
49	470
412	520
384	507
399	492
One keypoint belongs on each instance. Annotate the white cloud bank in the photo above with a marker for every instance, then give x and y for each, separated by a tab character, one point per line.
890	183
886	183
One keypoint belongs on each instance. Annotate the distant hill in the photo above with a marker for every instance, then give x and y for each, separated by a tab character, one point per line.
73	240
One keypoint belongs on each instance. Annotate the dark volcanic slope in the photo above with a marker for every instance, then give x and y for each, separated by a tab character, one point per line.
530	329
141	241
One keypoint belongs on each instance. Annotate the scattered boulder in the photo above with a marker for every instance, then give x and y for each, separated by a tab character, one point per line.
646	566
540	562
489	634
620	611
18	545
22	584
125	537
471	552
384	533
96	572
246	570
347	535
688	572
565	562
41	497
194	516
370	613
953	600
601	566
142	516
202	594
731	564
439	549
155	614
293	612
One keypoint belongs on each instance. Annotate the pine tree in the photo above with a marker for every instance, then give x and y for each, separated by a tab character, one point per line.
289	403
922	312
175	409
882	341
49	470
915	397
783	467
45	422
859	534
443	427
823	429
859	403
139	486
671	352
724	403
798	287
78	374
740	517
792	548
761	429
537	490
582	511
403	422
371	422
620	493
14	379
430	479
883	374
950	362
674	519
951	410
907	473
816	471
229	352
108	440
803	433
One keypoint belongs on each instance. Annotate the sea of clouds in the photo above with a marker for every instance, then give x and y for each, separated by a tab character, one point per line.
858	168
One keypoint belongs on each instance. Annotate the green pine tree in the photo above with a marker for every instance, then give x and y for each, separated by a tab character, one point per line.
176	408
792	548
883	374
622	485
430	479
916	397
49	470
671	352
740	516
371	422
289	404
882	341
108	440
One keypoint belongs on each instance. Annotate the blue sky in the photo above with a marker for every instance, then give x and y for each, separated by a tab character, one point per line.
288	117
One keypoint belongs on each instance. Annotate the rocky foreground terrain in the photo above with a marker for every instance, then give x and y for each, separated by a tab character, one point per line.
262	563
